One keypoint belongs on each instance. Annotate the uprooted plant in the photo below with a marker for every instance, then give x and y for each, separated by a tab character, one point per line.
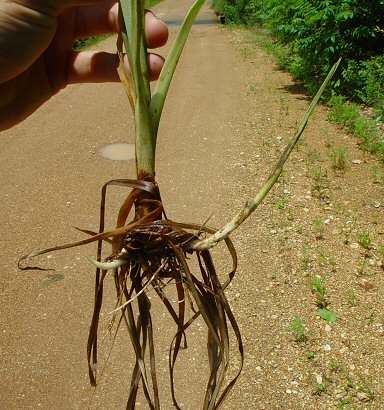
151	251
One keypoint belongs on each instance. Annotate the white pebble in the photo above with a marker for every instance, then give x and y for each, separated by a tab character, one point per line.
327	348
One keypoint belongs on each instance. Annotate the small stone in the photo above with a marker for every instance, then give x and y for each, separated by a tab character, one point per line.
356	161
319	379
288	391
354	245
305	209
377	204
362	396
328	328
327	348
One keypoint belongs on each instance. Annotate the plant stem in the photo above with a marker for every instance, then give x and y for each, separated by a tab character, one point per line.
253	203
133	33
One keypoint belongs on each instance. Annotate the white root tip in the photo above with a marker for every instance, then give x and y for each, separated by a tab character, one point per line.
107	265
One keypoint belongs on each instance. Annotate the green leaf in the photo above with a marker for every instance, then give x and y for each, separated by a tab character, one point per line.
152	3
168	70
327	315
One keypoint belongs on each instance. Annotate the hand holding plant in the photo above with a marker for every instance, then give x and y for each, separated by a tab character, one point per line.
36	56
149	251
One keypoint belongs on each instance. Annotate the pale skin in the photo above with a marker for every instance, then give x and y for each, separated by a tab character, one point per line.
36	56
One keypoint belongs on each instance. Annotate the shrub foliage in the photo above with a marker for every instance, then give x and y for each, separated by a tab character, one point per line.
317	33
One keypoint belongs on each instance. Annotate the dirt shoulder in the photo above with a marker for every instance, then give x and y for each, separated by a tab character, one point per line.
229	115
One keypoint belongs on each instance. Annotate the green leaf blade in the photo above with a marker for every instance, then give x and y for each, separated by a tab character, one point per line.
152	3
327	315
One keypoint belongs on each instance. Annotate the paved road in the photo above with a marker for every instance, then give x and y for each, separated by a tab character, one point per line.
51	179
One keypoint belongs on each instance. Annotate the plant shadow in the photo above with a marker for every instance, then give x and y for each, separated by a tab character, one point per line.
296	89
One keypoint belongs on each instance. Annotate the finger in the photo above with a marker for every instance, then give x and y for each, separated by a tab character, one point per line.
103	18
156	31
98	67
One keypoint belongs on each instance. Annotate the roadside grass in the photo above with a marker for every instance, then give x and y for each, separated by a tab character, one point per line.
338	284
364	240
297	329
349	115
320	182
317	285
339	158
319	228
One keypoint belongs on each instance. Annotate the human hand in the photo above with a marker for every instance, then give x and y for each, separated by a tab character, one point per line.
36	56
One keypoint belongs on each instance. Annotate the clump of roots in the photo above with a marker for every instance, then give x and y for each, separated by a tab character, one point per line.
152	252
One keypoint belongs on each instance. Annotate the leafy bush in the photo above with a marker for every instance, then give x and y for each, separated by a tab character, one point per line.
317	33
364	81
234	10
218	6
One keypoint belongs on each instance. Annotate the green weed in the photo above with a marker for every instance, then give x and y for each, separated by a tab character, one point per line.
346	404
319	181
297	329
352	298
362	267
364	240
348	384
332	263
313	156
317	284
246	52
320	386
305	260
365	387
348	115
310	355
378	174
334	365
338	156
280	204
319	229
